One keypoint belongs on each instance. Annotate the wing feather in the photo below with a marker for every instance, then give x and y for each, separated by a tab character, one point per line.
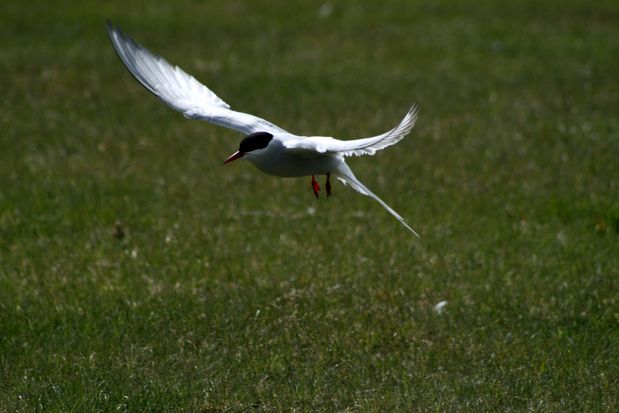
181	91
357	147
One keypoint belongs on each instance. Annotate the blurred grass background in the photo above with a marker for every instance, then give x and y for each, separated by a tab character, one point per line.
139	274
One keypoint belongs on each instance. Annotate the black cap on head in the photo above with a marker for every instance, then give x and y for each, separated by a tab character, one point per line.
257	140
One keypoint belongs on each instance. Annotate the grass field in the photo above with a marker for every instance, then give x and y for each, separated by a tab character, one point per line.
137	273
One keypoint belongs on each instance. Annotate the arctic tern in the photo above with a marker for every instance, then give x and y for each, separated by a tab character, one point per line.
270	148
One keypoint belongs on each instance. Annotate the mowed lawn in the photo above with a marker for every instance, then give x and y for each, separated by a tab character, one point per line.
137	273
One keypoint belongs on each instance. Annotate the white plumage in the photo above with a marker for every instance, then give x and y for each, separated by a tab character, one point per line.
275	151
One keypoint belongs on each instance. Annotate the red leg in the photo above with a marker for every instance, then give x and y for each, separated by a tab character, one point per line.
315	186
328	185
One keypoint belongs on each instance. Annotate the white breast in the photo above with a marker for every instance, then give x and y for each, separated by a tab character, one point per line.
277	160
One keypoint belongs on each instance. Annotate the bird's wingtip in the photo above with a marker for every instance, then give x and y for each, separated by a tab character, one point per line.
110	28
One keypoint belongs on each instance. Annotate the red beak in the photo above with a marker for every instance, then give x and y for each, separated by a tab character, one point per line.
236	155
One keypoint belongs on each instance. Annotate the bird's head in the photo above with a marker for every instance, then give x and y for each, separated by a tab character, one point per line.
251	145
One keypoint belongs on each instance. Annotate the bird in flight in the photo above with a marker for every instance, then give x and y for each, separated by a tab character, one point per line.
270	148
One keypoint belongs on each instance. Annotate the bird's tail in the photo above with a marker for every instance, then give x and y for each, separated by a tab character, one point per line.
345	174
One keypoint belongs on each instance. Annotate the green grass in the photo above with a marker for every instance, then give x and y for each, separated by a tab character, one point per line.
236	291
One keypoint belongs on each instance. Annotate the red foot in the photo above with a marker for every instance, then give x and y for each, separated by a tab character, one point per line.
328	185
315	186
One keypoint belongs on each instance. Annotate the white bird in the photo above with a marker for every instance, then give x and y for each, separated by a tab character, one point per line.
270	148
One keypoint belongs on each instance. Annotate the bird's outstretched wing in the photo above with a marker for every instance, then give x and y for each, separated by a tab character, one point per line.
180	90
358	147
